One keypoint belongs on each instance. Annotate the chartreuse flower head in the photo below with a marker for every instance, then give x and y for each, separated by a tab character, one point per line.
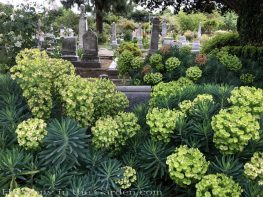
249	98
194	73
231	62
153	78
186	105
247	78
233	129
129	177
187	165
254	168
31	132
162	123
156	61
217	185
23	192
172	63
111	133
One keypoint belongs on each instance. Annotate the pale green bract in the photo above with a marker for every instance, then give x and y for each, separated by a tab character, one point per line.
254	168
129	177
231	62
194	73
156	61
249	98
172	63
162	123
40	78
77	99
30	133
217	185
233	128
111	133
23	192
247	78
153	78
186	165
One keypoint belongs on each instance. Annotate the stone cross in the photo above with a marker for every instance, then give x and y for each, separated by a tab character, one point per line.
139	35
155	36
113	35
83	26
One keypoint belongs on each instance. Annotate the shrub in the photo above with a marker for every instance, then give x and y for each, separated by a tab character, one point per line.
249	98
254	168
77	98
233	129
200	59
217	185
172	63
189	35
31	132
129	177
111	133
129	46
23	192
220	41
247	78
137	63
107	100
185	50
153	78
156	61
162	123
194	73
187	165
40	78
231	62
65	142
124	63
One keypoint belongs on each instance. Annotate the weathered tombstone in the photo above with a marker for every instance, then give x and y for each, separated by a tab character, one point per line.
82	24
90	46
199	34
69	46
164	28
139	36
168	41
196	46
114	43
155	36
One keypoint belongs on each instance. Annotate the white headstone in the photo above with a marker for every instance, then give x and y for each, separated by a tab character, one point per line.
113	35
164	28
199	34
139	35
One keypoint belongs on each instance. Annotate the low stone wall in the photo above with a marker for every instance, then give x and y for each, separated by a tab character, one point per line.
136	94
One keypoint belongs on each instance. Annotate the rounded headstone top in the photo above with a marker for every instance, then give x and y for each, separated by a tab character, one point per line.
82	9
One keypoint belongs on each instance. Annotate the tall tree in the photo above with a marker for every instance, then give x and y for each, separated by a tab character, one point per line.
250	20
101	7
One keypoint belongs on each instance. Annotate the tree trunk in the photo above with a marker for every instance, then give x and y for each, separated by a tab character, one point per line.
250	22
99	17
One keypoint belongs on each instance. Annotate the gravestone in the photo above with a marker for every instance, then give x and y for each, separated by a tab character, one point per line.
196	47
69	48
168	41
90	46
155	36
164	28
139	36
83	26
114	43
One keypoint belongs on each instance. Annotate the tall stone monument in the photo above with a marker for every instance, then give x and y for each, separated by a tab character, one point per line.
90	46
199	34
164	28
114	42
155	35
139	34
83	26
